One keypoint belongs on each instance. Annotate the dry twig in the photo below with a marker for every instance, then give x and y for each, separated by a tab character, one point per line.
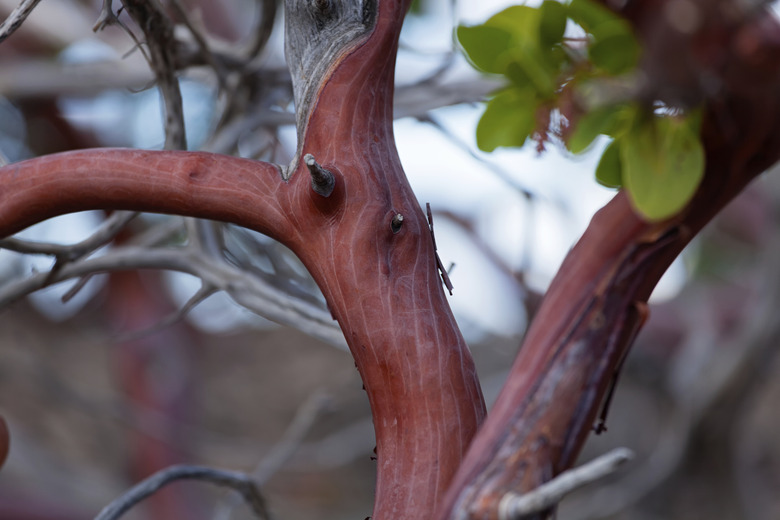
240	482
17	18
515	507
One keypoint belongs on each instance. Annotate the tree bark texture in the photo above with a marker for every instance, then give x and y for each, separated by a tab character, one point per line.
380	279
379	273
597	302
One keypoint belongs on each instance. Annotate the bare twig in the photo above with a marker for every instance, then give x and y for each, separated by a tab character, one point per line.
69	253
249	291
264	28
515	507
494	168
284	449
106	17
17	18
202	44
202	294
240	482
158	31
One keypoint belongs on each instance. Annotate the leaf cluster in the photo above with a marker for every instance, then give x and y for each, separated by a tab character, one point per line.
655	155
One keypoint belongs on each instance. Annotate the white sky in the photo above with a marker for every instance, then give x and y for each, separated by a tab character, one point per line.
442	173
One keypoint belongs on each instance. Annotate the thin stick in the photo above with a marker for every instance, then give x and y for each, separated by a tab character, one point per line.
515	507
17	18
240	482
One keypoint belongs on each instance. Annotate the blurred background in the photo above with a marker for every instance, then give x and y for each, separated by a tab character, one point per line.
107	378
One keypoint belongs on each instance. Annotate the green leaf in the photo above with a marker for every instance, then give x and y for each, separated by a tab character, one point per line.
552	22
663	164
614	49
508	119
484	47
602	120
535	66
521	21
609	171
589	14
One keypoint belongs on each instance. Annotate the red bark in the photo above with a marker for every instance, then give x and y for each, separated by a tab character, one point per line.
597	301
382	286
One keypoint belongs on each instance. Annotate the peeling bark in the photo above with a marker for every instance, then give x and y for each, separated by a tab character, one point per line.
597	302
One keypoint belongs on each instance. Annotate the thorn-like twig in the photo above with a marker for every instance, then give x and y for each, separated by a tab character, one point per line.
514	506
240	482
202	294
445	278
322	180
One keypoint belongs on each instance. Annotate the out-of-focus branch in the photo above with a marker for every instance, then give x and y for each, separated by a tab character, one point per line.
158	31
108	229
240	482
249	291
515	507
282	451
16	18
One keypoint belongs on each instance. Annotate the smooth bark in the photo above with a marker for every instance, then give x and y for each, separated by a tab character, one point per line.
381	282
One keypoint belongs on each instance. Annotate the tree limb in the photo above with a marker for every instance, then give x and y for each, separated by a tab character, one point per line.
516	507
596	303
240	482
17	18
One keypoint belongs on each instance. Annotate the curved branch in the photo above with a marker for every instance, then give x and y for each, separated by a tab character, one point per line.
596	304
240	482
217	187
381	282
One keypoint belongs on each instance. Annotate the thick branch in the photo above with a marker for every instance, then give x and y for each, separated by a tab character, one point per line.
246	192
596	304
381	280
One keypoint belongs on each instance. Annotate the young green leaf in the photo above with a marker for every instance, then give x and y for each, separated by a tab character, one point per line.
521	21
508	120
537	66
484	46
589	14
663	164
614	47
602	120
609	172
552	22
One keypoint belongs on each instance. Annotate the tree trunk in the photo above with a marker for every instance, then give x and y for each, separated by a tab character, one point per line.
378	272
345	208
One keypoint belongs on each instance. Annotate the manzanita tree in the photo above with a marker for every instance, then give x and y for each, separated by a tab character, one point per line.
344	206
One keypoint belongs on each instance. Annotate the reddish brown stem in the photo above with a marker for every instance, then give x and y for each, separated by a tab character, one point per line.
596	305
249	193
380	280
